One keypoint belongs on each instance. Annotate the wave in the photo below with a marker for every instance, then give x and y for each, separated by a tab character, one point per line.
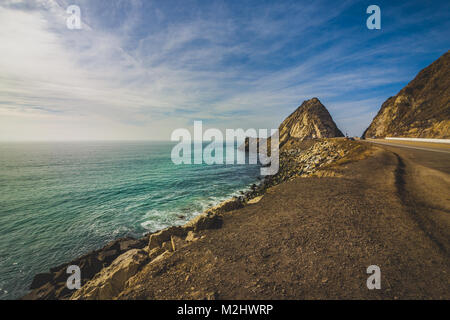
158	219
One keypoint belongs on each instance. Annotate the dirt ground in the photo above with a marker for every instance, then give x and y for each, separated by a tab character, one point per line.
313	238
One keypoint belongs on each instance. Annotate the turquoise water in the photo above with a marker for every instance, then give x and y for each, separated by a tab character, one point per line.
60	200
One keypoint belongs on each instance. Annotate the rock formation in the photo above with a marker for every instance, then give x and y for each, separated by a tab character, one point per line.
52	285
419	110
110	281
310	121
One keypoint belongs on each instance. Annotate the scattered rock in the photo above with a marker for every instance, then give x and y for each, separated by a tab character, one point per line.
158	238
108	255
155	252
177	243
227	205
128	244
52	285
41	279
167	246
111	280
191	236
200	295
162	256
205	221
255	200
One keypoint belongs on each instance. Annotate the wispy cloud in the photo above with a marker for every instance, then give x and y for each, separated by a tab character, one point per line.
138	70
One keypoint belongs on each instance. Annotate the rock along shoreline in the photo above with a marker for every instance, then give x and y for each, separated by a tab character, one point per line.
105	271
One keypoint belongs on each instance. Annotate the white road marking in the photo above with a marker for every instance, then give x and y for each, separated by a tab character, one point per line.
405	146
447	141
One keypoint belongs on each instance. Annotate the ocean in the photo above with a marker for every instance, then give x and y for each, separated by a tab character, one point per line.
60	200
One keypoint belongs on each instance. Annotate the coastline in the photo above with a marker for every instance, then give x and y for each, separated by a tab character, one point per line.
52	285
308	238
299	159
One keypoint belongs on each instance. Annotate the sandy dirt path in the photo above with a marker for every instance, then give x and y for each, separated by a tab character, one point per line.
313	238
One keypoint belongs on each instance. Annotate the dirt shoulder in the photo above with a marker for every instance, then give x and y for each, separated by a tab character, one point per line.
312	238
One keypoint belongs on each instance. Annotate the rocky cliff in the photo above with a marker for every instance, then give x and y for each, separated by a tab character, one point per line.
310	121
419	110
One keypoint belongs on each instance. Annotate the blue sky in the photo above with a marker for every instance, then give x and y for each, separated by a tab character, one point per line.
140	69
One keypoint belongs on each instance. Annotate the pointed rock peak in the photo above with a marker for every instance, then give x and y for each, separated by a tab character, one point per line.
311	120
313	101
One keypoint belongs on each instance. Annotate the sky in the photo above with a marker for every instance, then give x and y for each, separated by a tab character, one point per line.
137	70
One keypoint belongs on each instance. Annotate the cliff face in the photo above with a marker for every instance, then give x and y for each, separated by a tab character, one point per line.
419	110
311	120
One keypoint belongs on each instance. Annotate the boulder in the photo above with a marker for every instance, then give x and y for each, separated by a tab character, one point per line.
110	281
255	200
158	238
167	246
191	236
52	285
205	221
155	252
177	243
40	279
227	205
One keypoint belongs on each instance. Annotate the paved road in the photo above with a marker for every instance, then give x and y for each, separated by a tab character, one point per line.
424	188
430	155
425	146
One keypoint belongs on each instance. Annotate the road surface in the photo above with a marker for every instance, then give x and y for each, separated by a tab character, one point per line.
426	146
